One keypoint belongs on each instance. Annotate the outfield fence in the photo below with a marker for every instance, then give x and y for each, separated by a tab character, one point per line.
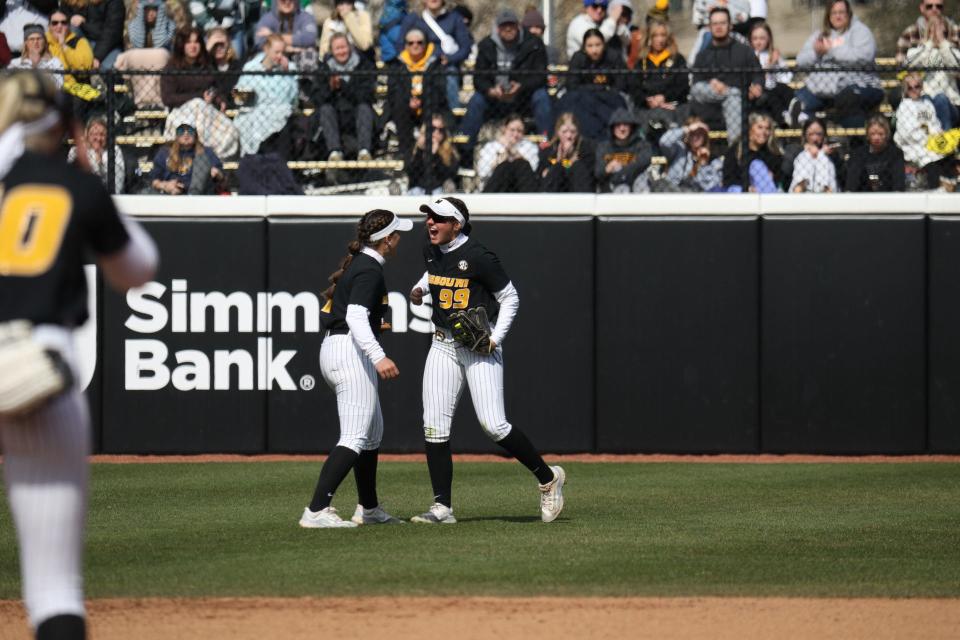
646	325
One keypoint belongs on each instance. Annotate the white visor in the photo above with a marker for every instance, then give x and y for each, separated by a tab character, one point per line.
397	224
443	208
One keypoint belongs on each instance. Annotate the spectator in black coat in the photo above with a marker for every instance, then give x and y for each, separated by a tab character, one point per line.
593	93
510	75
415	86
189	54
224	59
566	166
100	22
434	173
533	22
754	165
877	165
663	87
624	157
720	86
345	90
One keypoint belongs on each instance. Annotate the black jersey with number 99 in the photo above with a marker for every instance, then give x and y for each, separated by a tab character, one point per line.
464	278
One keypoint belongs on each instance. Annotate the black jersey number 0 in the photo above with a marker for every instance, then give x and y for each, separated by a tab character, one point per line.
33	220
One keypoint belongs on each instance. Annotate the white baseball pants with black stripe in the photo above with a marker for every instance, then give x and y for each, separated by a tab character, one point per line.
351	375
448	365
46	477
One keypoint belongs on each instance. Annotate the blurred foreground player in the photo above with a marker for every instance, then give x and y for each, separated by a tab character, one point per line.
52	215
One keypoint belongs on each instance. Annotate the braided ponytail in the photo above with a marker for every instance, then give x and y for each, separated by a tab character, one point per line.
370	223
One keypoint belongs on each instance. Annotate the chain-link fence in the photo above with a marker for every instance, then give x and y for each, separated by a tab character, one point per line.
390	131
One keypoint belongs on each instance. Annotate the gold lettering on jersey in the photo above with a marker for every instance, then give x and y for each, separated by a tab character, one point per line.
33	220
454	283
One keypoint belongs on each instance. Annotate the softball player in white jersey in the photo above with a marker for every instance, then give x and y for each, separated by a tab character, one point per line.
51	214
462	273
351	359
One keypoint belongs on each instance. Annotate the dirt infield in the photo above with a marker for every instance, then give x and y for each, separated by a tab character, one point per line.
510	619
579	457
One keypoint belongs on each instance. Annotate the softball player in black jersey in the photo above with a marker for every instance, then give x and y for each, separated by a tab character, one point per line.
461	274
351	359
50	216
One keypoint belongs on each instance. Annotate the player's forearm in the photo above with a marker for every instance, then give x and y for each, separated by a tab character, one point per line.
358	319
509	301
135	264
424	283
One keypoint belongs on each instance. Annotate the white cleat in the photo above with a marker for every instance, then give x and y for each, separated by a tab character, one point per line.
374	516
551	495
324	519
438	514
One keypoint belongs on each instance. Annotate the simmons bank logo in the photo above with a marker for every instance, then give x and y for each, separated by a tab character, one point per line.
158	310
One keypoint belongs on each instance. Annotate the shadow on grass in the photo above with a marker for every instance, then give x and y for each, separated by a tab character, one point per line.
516	519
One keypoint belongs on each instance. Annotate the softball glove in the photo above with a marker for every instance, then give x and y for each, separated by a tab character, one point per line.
29	374
471	328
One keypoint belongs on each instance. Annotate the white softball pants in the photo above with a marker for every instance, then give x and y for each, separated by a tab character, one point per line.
46	477
354	379
448	365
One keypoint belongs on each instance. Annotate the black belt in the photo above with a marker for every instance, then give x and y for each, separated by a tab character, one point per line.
339	331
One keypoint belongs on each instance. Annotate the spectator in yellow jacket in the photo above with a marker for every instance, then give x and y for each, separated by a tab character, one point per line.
74	53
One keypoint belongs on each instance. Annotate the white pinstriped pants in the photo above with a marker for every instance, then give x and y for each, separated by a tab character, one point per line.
351	375
448	365
46	477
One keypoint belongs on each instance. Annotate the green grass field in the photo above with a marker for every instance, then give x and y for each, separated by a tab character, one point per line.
666	529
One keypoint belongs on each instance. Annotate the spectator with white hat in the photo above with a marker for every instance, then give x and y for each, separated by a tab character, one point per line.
594	16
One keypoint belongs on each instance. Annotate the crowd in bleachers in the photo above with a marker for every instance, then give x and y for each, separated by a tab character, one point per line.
260	85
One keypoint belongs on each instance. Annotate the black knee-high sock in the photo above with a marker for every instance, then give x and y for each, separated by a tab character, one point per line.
440	464
62	627
520	447
334	470
365	473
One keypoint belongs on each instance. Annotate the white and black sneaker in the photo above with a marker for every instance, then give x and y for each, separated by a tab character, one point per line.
437	514
551	495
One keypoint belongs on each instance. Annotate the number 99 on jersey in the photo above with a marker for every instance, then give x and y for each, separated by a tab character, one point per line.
454	298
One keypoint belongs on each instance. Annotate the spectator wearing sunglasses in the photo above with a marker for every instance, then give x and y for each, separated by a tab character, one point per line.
100	22
447	31
916	123
920	32
74	53
185	166
415	87
595	16
934	41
